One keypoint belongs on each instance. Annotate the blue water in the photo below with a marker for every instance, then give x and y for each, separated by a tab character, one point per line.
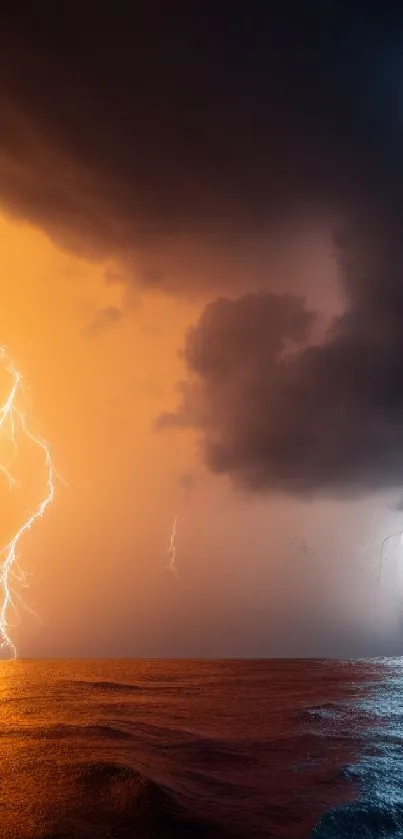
293	749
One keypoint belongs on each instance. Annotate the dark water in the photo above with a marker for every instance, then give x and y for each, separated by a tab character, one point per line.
289	749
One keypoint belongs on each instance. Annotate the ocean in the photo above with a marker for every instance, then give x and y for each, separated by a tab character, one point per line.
220	749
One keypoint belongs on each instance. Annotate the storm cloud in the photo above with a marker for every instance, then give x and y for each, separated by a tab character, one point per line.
180	144
187	148
279	411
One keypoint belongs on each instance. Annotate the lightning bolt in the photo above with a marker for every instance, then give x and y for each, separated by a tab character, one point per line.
388	540
384	544
13	422
172	548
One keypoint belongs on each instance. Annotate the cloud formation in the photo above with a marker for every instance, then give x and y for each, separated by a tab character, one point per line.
180	144
300	419
190	150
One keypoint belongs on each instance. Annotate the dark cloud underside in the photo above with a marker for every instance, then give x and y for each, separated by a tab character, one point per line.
275	416
177	141
129	132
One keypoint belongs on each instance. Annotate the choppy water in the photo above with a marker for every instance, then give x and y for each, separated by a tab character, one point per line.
288	749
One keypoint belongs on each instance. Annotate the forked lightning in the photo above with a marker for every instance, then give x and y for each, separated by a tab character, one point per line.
13	424
172	548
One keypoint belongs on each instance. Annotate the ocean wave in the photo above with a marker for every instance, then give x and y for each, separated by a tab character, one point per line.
102	685
362	820
112	799
61	731
150	686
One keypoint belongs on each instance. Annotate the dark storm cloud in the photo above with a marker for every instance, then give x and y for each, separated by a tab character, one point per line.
278	416
164	139
141	135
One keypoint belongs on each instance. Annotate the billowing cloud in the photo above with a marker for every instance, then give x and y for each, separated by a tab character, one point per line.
187	147
322	416
192	152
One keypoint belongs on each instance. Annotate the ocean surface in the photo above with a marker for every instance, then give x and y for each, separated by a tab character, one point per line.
200	749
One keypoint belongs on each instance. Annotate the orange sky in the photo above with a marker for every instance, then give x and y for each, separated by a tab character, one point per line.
98	560
96	397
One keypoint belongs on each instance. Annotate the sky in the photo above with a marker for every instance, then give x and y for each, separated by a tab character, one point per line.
201	279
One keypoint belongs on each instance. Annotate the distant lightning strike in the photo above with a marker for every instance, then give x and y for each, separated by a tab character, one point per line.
391	538
12	422
388	540
172	548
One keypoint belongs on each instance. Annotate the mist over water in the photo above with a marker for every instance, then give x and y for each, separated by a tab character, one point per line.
291	749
